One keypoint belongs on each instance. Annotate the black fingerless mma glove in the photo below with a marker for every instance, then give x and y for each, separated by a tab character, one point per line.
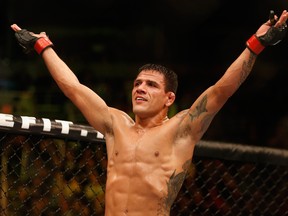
29	42
273	36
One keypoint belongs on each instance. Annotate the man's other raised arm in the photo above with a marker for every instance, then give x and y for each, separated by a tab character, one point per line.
212	100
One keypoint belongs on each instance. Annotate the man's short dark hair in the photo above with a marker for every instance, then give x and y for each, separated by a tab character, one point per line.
170	77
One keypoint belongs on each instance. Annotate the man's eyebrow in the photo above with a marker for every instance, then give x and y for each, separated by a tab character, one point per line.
152	81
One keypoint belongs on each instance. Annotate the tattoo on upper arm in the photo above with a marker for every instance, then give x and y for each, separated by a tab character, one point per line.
200	108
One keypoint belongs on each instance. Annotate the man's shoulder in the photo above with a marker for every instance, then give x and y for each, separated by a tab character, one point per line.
120	115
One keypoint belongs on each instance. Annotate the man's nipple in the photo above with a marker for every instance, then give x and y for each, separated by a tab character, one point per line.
156	153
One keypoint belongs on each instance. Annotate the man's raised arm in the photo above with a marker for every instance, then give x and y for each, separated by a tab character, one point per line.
88	102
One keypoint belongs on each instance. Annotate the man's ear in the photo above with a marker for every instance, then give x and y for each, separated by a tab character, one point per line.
170	99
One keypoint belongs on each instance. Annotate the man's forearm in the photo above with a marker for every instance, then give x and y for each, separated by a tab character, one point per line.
237	73
59	70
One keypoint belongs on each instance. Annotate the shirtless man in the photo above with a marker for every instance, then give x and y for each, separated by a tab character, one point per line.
148	157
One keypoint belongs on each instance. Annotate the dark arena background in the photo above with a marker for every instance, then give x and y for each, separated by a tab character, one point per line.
58	167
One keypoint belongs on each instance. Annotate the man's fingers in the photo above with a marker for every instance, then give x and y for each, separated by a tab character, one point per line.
282	20
15	27
272	17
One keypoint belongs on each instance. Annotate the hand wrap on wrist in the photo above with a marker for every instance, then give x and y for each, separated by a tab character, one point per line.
29	42
254	45
272	37
41	44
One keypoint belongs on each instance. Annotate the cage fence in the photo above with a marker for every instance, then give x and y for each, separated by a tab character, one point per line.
56	167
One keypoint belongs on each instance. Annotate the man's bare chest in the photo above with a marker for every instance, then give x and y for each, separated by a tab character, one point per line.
144	146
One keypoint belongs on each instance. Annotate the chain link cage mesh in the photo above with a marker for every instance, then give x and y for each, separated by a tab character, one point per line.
56	175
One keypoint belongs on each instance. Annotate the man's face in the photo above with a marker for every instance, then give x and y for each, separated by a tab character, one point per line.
148	94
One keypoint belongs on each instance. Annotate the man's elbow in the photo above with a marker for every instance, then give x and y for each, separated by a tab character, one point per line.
222	93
